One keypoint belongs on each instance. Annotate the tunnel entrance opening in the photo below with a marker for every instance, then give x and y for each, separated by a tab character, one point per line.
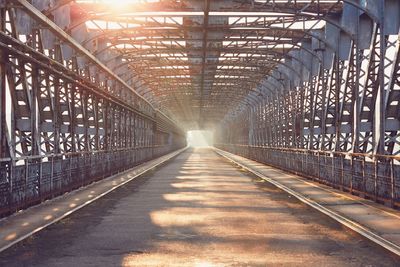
200	138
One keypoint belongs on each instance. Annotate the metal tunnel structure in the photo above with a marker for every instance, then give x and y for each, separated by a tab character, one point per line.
91	88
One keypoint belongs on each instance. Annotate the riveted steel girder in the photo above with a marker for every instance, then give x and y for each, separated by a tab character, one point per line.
317	77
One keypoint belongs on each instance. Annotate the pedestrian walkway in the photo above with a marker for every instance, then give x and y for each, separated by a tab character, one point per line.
380	223
197	210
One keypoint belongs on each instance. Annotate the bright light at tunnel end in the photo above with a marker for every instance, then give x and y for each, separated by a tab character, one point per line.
200	138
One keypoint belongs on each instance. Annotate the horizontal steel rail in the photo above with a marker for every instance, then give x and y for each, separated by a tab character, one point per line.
351	224
64	126
377	180
137	172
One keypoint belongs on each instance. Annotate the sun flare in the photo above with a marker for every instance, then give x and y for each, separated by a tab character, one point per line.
113	3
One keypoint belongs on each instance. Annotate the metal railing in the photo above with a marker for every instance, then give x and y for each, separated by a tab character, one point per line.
375	177
38	178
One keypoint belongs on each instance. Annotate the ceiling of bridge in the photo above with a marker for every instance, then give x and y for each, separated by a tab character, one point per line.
197	60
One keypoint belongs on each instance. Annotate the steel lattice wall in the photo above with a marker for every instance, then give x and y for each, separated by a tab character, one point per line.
333	116
66	119
308	86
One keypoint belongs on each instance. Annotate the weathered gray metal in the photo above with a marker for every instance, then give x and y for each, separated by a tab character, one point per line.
299	79
64	123
342	124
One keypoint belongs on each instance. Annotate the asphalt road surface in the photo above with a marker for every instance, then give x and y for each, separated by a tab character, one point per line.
197	210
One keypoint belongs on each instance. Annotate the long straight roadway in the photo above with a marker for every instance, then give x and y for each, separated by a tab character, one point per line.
197	210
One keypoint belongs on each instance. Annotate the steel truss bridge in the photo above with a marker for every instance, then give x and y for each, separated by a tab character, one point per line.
91	88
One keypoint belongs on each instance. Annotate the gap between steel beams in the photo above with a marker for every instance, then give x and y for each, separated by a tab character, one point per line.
205	25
